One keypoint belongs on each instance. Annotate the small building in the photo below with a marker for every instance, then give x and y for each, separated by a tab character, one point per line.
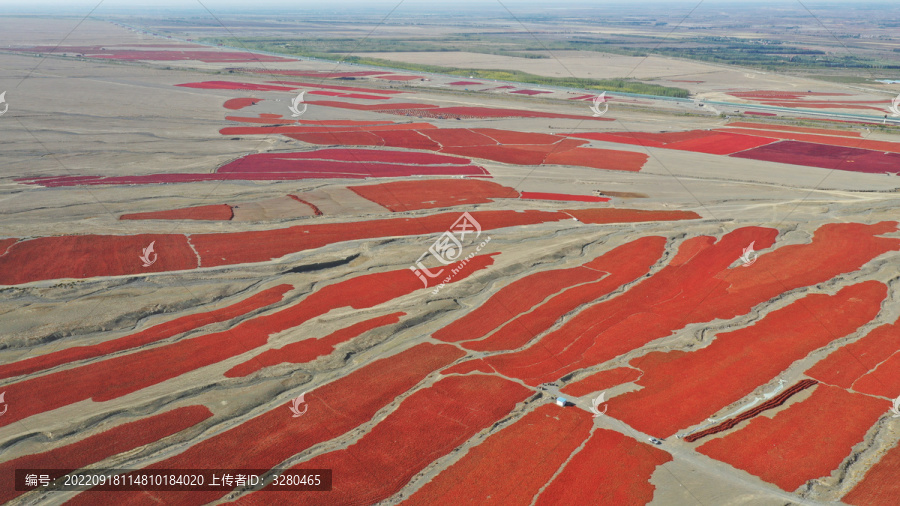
561	402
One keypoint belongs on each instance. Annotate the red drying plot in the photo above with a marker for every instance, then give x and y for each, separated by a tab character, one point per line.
5	244
689	248
276	119
787	128
347	138
410	139
231	85
649	139
464	83
221	212
498	136
144	337
38	259
313	73
582	97
342	122
482	143
515	299
469	367
115	376
365	97
270	438
227	248
701	289
321	129
883	381
261	165
365	155
86	256
348	95
337	75
447	137
190	178
427	425
753	113
515	155
610	215
601	381
722	143
49	181
564	197
383	108
309	349
414	195
520	331
512	465
572	146
736	362
849	363
830	140
799	443
239	103
772	403
327	93
825	156
611	469
92	449
295	166
879	486
697	141
607	159
623	264
335	87
289	163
